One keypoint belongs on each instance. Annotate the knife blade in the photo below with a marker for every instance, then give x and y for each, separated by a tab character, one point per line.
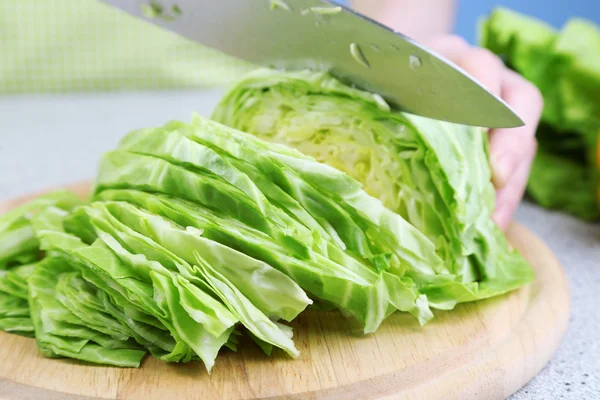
321	35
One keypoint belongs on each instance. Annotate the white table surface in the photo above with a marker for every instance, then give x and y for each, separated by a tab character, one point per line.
46	141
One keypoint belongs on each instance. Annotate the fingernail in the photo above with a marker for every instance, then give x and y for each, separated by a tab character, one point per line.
501	170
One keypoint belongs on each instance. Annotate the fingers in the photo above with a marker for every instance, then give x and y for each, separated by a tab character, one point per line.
509	197
449	46
509	146
484	66
480	63
512	150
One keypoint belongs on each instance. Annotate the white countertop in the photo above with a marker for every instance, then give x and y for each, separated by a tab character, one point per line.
46	141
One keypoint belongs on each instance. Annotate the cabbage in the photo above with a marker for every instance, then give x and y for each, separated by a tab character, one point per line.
14	309
433	174
198	233
65	309
18	242
234	190
19	255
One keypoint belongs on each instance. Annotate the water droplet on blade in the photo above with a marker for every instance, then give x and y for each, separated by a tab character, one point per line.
279	4
381	103
375	47
326	10
394	47
414	62
358	55
151	10
420	92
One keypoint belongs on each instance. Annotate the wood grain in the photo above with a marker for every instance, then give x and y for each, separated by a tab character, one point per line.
484	350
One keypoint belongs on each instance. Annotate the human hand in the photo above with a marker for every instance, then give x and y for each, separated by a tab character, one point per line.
511	150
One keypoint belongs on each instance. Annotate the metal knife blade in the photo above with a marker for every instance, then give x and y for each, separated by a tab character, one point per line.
317	34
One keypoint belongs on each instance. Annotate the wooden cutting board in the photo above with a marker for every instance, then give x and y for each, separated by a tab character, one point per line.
485	350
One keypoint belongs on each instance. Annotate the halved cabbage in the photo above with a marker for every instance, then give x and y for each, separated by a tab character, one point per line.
433	174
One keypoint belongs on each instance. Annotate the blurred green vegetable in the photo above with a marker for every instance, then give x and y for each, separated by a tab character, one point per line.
565	66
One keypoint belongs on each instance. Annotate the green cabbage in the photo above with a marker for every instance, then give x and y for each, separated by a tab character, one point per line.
65	309
199	233
19	255
343	261
18	242
433	174
14	309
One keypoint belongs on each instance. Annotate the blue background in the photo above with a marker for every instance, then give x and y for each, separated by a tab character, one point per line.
554	12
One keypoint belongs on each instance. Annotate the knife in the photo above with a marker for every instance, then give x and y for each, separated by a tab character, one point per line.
321	35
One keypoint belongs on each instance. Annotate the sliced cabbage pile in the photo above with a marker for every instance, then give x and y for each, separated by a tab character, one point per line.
199	233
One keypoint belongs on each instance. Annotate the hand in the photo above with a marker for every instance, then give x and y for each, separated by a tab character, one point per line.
511	150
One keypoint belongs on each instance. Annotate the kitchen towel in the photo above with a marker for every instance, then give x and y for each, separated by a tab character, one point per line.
85	45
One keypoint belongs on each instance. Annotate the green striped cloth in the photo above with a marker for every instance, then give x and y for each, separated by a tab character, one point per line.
85	45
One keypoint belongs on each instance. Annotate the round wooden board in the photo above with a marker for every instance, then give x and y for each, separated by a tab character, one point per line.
484	350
